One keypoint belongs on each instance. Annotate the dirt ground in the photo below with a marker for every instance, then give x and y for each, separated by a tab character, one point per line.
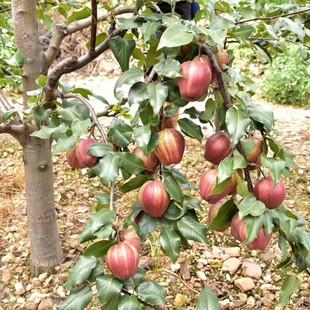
199	266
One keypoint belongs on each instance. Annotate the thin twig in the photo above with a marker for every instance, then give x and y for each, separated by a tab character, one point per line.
93	31
220	81
272	17
246	171
112	188
92	112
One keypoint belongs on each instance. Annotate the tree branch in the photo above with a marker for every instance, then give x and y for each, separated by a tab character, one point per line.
92	112
73	63
94	21
272	17
63	30
17	129
220	81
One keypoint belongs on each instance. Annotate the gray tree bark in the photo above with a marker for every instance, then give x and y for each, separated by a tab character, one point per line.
45	247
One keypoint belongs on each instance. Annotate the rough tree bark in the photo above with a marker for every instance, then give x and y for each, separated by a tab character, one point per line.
45	247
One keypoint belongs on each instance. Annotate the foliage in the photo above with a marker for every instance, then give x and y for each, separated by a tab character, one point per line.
287	81
149	52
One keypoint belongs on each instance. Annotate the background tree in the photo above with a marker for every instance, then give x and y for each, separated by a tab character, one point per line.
155	83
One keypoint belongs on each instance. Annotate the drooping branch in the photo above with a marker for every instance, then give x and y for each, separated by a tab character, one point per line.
92	113
63	30
93	31
273	17
220	81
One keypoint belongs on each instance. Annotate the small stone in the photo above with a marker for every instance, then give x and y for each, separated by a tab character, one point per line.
201	275
46	304
225	304
30	305
20	300
175	267
308	189
252	270
238	303
180	300
29	287
233	251
42	276
19	288
243	296
244	284
19	270
231	265
6	275
184	271
7	258
251	301
200	266
61	292
266	287
202	261
267	278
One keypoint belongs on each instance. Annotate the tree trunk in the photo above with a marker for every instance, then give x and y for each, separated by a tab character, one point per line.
45	247
45	252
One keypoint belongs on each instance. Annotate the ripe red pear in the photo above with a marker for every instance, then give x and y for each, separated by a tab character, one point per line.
212	213
197	76
270	194
72	160
122	260
252	149
150	161
154	198
170	122
81	152
208	183
218	147
131	237
239	232
171	146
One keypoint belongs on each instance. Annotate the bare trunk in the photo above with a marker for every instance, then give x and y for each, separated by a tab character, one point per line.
43	234
45	247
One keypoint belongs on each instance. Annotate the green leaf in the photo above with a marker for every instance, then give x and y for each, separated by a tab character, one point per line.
134	183
169	68
242	187
276	167
96	222
290	286
120	135
137	93
99	150
131	163
254	224
108	288
152	293
251	206
207	300
175	35
173	188
149	29
65	144
243	32
237	122
78	299
174	212
143	135
99	249
225	169
170	242
79	14
224	216
157	94
46	132
147	225
100	37
122	50
136	280
259	114
129	303
96	272
81	271
192	230
208	112
107	169
129	78
191	129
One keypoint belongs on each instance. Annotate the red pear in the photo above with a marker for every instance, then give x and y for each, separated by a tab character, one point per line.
150	161
270	194
72	160
122	260
217	148
171	146
154	198
212	213
131	237
197	76
208	183
222	59
81	152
